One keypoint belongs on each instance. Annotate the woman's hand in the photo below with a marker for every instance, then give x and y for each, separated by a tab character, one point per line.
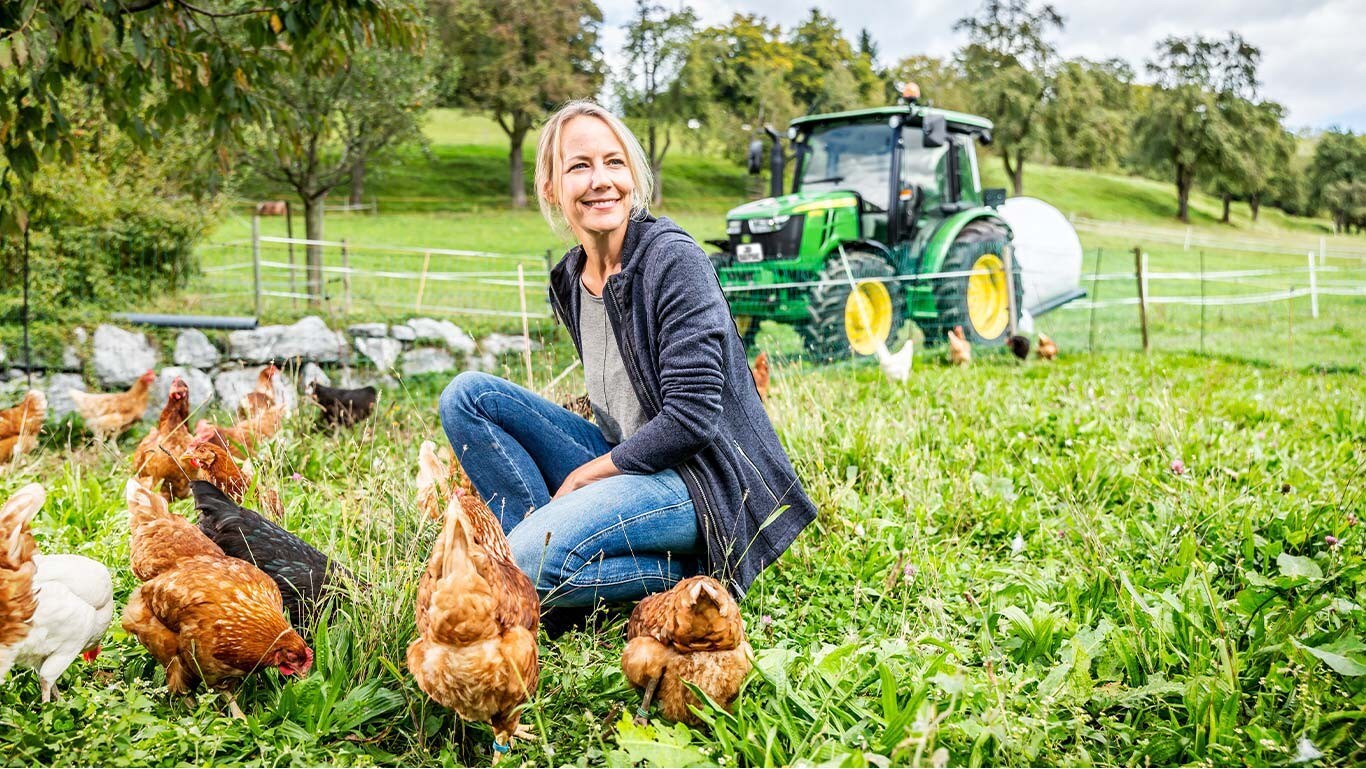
592	470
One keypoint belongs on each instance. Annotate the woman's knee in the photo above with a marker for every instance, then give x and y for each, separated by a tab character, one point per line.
460	397
535	554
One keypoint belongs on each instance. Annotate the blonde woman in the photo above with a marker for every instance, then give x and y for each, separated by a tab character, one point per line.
682	472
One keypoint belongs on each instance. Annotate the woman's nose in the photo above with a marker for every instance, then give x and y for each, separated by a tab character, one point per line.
599	178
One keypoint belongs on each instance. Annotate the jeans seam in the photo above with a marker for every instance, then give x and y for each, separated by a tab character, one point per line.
621	522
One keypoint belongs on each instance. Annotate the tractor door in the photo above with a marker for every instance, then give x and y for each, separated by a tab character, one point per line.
924	174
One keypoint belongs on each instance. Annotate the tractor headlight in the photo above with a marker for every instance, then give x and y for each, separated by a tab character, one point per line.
763	226
733	227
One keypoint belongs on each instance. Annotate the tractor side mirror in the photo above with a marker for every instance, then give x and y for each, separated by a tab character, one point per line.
936	130
994	197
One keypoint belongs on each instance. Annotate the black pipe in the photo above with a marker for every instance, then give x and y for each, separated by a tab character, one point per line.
775	163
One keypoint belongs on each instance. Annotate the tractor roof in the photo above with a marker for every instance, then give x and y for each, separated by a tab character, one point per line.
958	121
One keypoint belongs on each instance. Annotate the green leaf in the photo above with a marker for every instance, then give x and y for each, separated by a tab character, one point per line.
656	745
1333	657
1299	566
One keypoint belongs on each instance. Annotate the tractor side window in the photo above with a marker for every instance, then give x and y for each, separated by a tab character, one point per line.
923	166
967	177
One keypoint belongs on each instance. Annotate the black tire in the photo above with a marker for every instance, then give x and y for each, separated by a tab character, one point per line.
951	294
824	334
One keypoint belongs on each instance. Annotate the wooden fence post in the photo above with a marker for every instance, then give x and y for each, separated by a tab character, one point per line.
1095	298
256	262
1140	260
422	281
1313	289
1187	247
1010	287
526	327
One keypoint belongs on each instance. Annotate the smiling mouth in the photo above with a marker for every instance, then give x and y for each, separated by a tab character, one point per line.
601	204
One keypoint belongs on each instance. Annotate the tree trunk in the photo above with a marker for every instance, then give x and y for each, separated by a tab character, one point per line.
1256	205
313	230
1228	199
516	170
657	197
1183	194
1017	178
357	180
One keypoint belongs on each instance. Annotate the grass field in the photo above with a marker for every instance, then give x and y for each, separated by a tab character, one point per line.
1115	559
1006	570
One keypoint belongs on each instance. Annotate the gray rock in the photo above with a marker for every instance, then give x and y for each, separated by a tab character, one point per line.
71	360
382	352
403	333
3	357
232	384
201	390
12	390
426	360
312	372
370	330
120	357
483	362
59	400
80	336
193	348
427	329
501	344
310	339
254	345
352	378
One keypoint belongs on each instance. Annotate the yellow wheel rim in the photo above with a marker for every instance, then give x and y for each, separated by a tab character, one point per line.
988	302
868	317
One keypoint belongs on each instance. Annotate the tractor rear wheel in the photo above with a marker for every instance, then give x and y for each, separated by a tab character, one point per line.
844	321
980	303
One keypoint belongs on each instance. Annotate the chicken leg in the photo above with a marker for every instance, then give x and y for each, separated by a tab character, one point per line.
643	714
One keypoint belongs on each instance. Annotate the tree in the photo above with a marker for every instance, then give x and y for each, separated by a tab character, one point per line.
942	82
821	54
1339	163
1086	120
654	93
1007	61
519	59
154	65
323	126
1190	126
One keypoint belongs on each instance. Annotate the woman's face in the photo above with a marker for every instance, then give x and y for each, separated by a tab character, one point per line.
595	183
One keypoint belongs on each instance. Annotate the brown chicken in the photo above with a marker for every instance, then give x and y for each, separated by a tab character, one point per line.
107	415
960	352
262	398
210	462
17	600
761	375
158	455
204	616
19	425
477	617
434	486
581	406
1047	349
242	438
692	632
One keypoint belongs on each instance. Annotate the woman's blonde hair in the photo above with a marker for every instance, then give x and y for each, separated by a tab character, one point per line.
548	160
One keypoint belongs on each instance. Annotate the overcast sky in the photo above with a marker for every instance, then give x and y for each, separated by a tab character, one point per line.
1313	56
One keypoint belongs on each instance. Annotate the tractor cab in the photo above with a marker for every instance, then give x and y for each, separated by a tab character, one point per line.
887	199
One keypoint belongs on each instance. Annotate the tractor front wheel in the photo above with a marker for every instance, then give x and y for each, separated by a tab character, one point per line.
843	320
979	302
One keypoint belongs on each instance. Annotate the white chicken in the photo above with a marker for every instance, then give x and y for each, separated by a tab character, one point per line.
74	605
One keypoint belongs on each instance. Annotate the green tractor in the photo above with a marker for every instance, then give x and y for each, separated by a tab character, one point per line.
886	222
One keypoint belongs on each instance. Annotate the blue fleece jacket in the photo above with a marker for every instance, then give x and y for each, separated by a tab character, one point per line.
689	370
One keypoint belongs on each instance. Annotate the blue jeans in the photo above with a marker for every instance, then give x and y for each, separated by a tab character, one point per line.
617	539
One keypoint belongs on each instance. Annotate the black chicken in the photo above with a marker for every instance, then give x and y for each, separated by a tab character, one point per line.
303	574
343	407
1019	346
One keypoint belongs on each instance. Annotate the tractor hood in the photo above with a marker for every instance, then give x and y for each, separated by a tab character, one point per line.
796	203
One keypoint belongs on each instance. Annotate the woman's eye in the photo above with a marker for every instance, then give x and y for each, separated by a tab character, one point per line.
577	166
617	162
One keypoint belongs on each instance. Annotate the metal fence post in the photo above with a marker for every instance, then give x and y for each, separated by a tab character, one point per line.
1187	247
1010	288
1323	251
422	281
1313	289
1095	299
526	328
346	278
1140	262
256	261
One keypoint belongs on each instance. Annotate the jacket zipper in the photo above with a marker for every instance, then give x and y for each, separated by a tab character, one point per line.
760	475
636	378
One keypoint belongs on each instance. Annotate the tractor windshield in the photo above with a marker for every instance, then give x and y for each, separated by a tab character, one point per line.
850	156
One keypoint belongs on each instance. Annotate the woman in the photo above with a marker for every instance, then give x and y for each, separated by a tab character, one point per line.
683	471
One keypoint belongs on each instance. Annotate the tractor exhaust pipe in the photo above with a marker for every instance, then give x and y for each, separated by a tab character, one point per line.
775	162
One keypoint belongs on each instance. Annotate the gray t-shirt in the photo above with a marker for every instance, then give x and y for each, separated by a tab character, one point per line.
615	405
